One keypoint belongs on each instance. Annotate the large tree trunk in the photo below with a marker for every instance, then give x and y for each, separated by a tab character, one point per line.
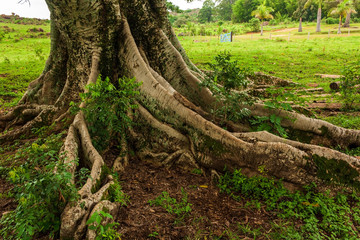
339	29
134	39
318	20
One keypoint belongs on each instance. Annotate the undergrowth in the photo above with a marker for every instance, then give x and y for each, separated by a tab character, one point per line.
171	205
225	77
315	215
42	188
106	109
103	231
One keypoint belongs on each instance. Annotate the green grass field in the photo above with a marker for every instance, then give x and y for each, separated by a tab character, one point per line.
298	59
22	58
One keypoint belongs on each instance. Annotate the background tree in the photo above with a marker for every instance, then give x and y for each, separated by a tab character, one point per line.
299	12
262	12
224	9
207	11
174	8
318	18
110	39
342	9
242	10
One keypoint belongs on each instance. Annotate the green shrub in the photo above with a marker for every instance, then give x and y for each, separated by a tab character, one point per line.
2	35
349	86
106	231
331	20
180	22
107	107
41	191
226	76
202	31
254	25
273	22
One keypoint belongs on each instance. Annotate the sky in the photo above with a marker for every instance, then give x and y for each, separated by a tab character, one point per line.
38	8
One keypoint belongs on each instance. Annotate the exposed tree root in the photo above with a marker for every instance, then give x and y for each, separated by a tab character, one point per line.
335	135
327	153
175	126
76	214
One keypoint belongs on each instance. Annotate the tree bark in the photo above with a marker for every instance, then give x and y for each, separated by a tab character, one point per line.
318	20
134	39
339	29
300	25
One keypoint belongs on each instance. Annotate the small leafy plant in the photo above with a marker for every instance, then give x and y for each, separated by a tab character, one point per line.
180	209
350	85
107	107
225	77
277	101
270	124
117	195
106	231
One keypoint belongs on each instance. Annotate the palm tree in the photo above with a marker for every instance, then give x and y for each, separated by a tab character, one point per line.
263	12
342	9
318	19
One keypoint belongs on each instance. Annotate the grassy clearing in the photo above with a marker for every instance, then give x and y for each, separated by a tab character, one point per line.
22	57
298	59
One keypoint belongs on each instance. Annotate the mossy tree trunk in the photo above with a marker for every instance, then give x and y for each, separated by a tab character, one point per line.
134	39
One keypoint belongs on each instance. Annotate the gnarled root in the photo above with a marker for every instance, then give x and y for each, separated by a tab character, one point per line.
216	147
75	215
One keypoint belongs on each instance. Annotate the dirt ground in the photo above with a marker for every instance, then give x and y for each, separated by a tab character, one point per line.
213	213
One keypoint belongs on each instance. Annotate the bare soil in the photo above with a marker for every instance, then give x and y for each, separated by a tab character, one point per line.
213	213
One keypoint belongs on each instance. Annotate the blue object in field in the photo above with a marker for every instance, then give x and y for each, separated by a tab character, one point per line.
227	37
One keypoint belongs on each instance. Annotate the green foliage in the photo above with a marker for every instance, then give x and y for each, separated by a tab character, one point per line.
206	12
349	87
197	171
263	12
103	232
322	216
242	10
153	234
270	124
180	209
82	175
331	20
345	121
254	25
226	76
39	53
117	195
224	10
107	105
2	35
42	188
